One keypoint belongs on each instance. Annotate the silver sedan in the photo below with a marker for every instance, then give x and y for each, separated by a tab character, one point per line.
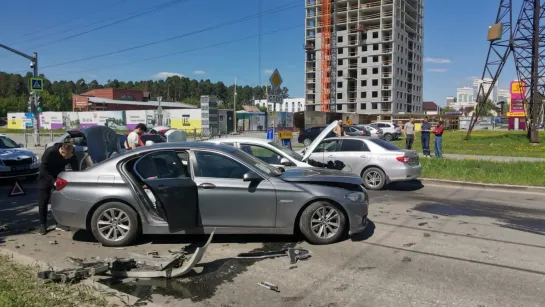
185	188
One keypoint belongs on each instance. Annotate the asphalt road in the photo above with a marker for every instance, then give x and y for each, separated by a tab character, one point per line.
427	246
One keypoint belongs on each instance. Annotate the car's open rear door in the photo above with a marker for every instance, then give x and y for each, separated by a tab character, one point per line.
165	175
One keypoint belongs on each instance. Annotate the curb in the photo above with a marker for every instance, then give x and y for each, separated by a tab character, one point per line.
119	298
516	188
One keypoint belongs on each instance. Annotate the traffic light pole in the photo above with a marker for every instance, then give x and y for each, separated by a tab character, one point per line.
34	108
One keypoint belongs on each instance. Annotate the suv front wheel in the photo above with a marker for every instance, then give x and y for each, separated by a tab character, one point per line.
388	137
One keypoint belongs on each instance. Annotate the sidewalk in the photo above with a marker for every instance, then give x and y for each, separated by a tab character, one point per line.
492	158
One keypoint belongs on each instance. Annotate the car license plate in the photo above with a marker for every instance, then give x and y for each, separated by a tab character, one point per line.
20	168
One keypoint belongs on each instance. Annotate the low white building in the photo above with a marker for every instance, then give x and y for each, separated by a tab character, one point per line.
288	105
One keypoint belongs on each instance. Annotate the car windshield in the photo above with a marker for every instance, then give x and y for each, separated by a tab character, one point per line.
6	142
255	162
385	145
287	151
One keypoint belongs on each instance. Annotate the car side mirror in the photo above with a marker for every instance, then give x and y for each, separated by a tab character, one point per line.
251	176
149	143
285	162
20	145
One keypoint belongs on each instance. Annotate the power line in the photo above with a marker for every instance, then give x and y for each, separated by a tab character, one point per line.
185	51
66	21
145	12
269	12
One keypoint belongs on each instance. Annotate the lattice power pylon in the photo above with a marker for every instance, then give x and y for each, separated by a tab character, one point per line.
525	39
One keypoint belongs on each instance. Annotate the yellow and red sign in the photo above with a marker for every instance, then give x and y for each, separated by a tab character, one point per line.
285	134
517	88
518	93
516	114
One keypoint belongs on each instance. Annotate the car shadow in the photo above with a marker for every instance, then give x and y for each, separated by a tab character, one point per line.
405	186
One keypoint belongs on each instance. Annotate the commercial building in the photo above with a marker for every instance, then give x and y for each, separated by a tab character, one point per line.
110	99
487	82
450	101
379	48
504	95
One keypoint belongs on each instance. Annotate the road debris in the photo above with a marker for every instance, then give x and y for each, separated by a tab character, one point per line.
406	259
54	242
269	286
138	266
294	254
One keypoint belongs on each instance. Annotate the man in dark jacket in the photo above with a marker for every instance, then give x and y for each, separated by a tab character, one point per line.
54	161
426	129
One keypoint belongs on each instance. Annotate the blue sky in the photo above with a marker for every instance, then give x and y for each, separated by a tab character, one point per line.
454	41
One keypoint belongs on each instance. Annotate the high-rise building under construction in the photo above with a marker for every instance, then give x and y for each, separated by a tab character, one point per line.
364	56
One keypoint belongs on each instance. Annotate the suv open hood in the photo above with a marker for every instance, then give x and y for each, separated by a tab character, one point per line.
310	149
319	175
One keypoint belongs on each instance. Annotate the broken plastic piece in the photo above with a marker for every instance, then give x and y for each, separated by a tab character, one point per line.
294	254
269	286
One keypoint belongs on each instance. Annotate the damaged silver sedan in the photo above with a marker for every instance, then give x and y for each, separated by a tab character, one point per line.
193	188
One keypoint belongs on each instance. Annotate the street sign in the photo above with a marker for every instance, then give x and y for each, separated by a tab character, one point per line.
17	190
275	79
36	84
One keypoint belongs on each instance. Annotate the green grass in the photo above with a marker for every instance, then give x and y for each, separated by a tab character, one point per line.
19	287
485	143
515	173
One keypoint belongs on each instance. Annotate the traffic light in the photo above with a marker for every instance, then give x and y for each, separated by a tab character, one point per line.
30	104
39	104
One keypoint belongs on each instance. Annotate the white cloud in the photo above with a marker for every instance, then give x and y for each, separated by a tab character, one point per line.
164	75
199	72
437	70
436	60
268	71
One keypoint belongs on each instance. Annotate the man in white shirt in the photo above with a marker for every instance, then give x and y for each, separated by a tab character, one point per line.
133	139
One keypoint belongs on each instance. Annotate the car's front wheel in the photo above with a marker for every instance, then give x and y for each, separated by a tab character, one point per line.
115	224
388	137
322	223
373	178
307	142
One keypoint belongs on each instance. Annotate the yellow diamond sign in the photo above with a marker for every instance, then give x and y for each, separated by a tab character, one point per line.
275	79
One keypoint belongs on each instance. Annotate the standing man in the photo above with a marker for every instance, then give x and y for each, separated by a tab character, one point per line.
133	139
54	161
438	131
339	131
348	121
409	134
425	138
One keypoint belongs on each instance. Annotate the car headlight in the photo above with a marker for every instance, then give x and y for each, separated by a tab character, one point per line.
35	159
357	197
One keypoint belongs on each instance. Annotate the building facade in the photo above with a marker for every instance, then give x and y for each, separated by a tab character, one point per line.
487	82
291	105
379	56
450	101
504	95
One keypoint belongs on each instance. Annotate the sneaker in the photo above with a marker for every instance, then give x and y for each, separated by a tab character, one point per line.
61	228
43	230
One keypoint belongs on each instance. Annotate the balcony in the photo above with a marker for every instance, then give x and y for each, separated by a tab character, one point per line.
387	75
311	80
386	2
387	14
387	38
387	87
387	26
313	2
386	98
351	99
370	4
386	63
369	16
388	50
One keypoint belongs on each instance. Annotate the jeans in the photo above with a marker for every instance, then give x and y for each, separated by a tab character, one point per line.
44	194
438	146
426	144
409	140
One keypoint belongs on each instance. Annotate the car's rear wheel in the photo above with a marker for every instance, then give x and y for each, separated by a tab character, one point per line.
322	223
115	224
374	178
388	137
307	142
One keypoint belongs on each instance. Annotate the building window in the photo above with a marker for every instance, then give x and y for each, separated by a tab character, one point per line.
340	51
363	95
364	59
375	47
340	62
374	106
339	85
340	39
375	71
339	95
339	73
375	34
127	97
375	59
364	48
363	82
374	94
375	82
364	71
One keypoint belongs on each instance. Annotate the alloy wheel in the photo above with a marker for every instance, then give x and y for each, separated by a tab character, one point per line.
113	224
373	179
325	222
307	142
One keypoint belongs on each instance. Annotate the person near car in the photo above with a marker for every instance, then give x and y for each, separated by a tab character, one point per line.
409	134
54	161
438	144
425	137
348	121
133	139
338	130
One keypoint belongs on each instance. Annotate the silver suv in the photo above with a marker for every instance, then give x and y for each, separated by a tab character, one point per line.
391	131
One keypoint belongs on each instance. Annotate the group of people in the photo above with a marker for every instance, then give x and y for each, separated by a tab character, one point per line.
54	161
425	135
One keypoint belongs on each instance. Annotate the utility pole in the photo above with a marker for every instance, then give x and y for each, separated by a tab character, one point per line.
159	111
34	109
536	97
235	108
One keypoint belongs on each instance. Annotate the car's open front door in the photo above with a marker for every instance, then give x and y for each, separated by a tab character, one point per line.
176	193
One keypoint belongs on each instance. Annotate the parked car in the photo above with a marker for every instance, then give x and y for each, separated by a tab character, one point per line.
91	145
373	132
362	156
391	131
200	186
16	161
308	135
356	130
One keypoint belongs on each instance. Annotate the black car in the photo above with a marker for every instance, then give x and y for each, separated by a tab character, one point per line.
307	136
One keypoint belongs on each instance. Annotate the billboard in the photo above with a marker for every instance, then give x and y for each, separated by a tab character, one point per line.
184	119
518	92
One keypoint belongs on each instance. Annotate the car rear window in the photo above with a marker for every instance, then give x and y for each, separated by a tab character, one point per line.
156	138
384	144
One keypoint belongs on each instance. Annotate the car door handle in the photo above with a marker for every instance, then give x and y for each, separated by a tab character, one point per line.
330	157
207	186
362	156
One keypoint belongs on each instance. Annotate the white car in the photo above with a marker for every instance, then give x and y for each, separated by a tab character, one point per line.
391	131
16	161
